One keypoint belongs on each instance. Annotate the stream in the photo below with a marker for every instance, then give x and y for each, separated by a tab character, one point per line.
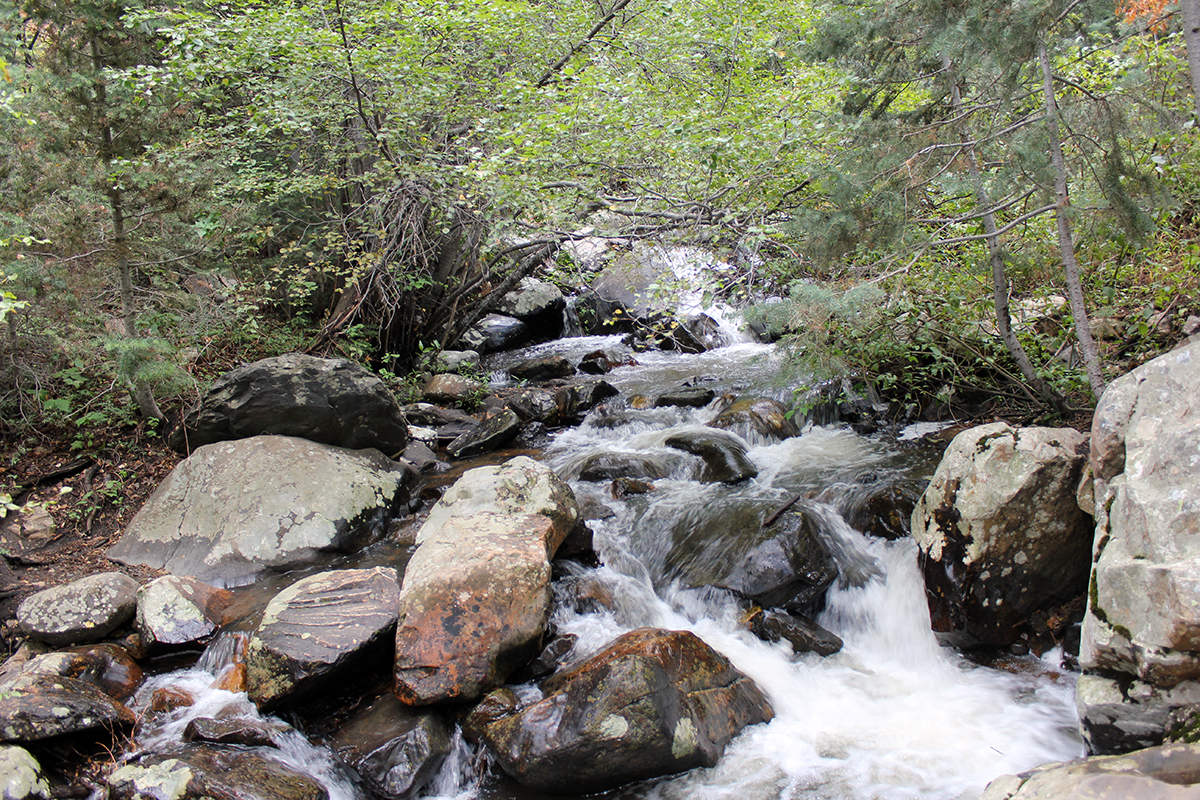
892	716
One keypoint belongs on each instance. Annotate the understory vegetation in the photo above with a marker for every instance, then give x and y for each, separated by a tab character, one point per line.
905	189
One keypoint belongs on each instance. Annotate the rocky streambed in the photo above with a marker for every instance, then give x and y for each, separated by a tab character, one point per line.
682	594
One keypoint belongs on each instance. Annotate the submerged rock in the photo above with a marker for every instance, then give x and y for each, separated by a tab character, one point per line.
233	511
724	454
207	772
394	749
324	628
1000	532
652	703
79	612
328	400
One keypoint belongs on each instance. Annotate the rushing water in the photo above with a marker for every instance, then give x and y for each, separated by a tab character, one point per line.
892	716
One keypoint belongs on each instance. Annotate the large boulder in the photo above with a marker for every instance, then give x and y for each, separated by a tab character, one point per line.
535	301
755	419
176	610
1140	649
495	332
1170	772
1000	533
39	705
473	606
724	454
325	628
518	486
652	703
79	612
233	511
329	400
394	749
206	772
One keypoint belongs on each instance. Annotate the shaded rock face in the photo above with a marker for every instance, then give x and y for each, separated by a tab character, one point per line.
1163	773
174	610
395	750
755	419
576	400
473	606
328	400
319	629
492	433
215	773
79	612
234	510
1000	532
1140	649
518	486
40	706
495	332
724	454
652	703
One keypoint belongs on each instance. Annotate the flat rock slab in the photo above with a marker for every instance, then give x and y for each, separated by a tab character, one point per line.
1169	772
329	400
39	706
473	607
79	612
212	773
233	511
319	628
652	703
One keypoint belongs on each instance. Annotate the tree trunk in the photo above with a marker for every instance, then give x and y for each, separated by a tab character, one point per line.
996	256
1083	330
1191	37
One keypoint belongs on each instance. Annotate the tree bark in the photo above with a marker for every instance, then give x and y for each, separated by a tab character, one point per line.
996	256
1083	330
1191	37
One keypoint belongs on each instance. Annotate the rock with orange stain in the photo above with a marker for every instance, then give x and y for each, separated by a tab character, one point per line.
176	610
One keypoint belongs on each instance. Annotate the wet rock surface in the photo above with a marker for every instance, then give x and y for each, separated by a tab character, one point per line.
329	400
1000	532
40	706
235	510
724	454
653	703
752	417
327	627
394	749
214	773
79	612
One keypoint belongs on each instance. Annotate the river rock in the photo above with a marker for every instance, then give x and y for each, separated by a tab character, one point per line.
1000	533
652	703
82	611
724	454
177	610
608	466
244	731
433	416
686	396
456	360
106	666
232	511
602	362
21	775
39	706
452	389
1142	626
535	300
321	629
804	635
495	332
695	333
543	368
207	772
490	434
328	400
791	568
1170	772
474	604
396	750
518	486
755	419
576	400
